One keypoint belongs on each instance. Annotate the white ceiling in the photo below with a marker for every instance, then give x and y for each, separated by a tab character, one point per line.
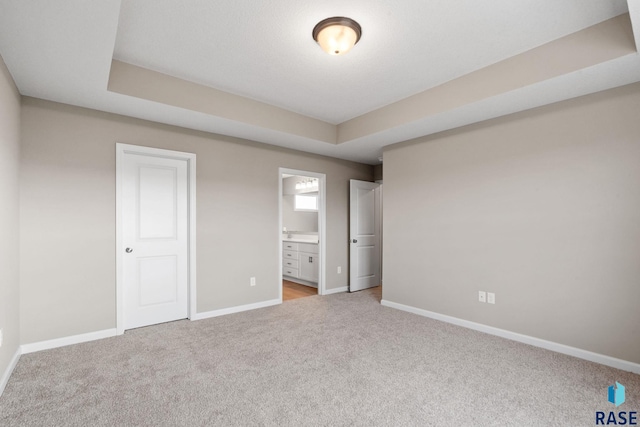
62	51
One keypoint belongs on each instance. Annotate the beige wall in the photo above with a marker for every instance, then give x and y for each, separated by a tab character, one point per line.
9	208
68	215
541	207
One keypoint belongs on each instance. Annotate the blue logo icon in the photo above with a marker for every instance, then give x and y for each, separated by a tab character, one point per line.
616	394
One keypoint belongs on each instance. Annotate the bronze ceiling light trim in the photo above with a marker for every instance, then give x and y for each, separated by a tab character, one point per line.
337	35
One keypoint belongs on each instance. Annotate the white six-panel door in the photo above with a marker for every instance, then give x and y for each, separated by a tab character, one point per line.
365	232
154	204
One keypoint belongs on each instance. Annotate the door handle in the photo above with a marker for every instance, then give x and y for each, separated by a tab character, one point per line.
310	259
128	250
355	240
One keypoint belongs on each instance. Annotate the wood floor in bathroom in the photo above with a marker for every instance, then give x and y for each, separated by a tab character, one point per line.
291	290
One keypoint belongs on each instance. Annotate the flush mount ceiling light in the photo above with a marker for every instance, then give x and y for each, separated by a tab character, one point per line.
337	35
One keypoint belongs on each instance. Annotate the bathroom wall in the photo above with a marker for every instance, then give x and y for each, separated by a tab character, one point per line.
294	220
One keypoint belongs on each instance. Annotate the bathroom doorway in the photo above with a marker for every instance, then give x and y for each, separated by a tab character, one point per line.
301	232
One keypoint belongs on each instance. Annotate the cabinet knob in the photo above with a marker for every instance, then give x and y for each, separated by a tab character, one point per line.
128	250
355	240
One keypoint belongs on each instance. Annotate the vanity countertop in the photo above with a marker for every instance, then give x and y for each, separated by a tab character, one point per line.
301	239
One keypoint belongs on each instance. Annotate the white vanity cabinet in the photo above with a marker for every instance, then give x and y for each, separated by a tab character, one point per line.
309	260
301	261
290	259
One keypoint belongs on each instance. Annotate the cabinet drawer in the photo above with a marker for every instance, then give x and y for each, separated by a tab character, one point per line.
290	263
288	246
291	272
289	255
308	247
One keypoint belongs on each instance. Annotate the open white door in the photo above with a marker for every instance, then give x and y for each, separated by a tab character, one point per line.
364	221
154	240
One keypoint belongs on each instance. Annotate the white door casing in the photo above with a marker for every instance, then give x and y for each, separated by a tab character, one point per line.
365	231
156	265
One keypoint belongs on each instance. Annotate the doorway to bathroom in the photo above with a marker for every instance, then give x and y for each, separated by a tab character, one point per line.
302	233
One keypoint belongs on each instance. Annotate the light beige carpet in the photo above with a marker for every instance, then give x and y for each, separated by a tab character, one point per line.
335	360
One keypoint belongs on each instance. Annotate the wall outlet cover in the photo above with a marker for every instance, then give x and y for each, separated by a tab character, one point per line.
253	281
482	296
491	298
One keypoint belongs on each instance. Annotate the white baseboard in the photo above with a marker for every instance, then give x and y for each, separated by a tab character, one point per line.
7	373
237	309
624	365
61	342
336	290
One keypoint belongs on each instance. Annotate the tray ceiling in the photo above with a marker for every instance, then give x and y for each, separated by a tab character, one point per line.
251	69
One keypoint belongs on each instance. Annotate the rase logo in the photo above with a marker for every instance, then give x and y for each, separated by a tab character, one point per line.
616	396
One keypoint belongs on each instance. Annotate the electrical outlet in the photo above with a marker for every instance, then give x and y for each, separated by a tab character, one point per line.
253	281
0	337
491	298
482	296
339	270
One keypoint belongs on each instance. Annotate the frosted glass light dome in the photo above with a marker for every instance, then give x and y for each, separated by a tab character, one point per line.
337	35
